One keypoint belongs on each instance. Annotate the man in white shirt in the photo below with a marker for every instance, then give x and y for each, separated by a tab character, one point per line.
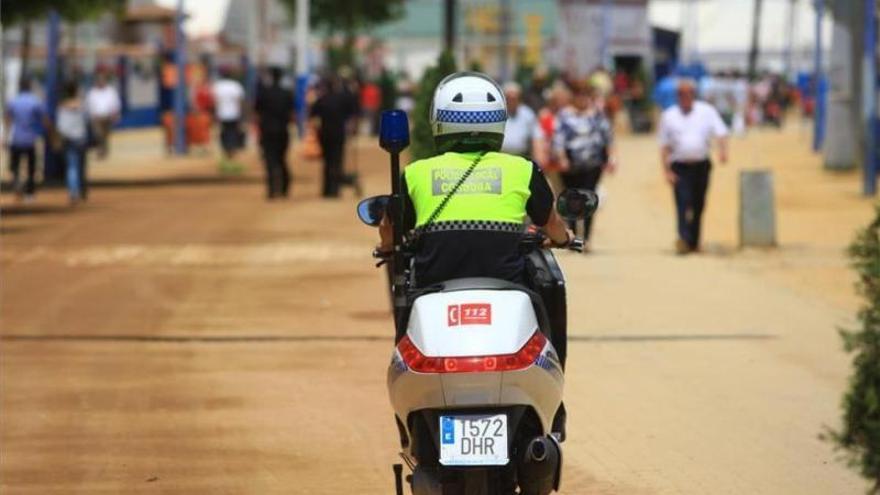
686	134
228	104
522	127
103	106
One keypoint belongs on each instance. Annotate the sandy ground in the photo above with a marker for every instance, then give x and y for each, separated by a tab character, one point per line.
179	334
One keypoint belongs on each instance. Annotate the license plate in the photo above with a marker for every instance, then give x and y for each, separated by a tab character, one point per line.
473	440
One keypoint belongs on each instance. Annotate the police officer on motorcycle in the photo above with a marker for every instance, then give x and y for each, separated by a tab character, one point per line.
467	206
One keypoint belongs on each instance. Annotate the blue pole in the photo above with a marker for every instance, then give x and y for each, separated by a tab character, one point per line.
302	63
51	163
180	89
122	66
250	79
869	85
302	85
818	81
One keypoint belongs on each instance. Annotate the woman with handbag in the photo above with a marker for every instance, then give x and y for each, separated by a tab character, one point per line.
71	126
582	142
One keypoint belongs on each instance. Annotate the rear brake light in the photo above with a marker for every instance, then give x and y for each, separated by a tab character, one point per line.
521	359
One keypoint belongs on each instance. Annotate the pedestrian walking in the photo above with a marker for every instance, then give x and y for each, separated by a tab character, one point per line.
535	94
686	133
331	113
274	109
521	130
583	141
228	106
103	106
71	126
371	103
201	118
24	116
558	98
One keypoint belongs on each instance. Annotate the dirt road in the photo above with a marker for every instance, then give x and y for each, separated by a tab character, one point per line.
180	335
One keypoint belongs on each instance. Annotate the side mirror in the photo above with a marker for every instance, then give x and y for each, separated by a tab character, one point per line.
394	131
371	210
577	203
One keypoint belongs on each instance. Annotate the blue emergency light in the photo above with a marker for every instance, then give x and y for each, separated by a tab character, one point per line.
394	131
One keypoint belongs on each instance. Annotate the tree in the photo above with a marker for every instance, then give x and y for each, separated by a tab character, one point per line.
17	11
77	11
422	142
388	87
348	17
859	436
24	11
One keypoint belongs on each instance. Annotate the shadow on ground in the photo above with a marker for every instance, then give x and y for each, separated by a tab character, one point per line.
157	182
32	209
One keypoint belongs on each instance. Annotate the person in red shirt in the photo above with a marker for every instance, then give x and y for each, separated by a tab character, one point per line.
204	99
557	100
371	101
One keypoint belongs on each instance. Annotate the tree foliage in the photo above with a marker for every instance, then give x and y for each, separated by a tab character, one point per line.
15	11
81	10
388	88
348	17
422	141
859	436
24	11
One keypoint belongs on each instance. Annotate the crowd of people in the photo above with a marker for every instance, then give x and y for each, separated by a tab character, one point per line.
764	101
333	105
565	125
81	122
565	128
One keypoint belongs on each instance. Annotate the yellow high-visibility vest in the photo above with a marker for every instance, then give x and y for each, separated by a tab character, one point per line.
496	191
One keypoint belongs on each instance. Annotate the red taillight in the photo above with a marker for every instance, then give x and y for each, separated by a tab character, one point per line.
420	363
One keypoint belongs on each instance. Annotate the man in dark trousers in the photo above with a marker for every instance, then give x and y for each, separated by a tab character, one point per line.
24	116
274	109
686	134
333	108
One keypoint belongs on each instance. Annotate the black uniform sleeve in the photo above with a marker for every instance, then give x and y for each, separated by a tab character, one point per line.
317	109
259	101
289	102
409	209
540	203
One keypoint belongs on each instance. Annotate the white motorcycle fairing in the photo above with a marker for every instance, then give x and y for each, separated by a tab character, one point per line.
469	318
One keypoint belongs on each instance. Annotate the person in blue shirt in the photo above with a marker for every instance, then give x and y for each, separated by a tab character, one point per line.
25	118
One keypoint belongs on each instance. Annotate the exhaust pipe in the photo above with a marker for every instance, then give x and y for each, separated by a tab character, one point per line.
537	449
537	466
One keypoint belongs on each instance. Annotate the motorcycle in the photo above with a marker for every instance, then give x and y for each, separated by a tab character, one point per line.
477	373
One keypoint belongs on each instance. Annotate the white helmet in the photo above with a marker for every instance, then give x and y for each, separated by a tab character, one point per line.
468	112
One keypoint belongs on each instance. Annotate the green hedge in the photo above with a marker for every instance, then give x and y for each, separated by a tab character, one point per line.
422	140
859	436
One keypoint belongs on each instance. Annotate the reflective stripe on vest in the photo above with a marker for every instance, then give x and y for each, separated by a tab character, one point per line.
496	191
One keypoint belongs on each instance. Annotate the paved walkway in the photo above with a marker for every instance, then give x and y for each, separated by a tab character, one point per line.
182	335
